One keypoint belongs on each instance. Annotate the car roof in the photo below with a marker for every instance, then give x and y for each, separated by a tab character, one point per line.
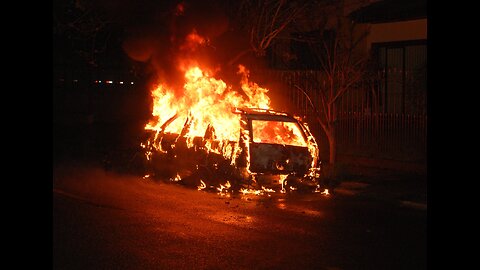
265	114
261	112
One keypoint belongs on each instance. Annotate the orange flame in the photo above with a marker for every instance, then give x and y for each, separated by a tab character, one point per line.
176	179
245	191
282	179
202	185
257	192
224	187
325	192
206	101
268	190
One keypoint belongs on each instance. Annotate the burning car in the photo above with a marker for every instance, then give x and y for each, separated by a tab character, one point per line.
268	150
210	134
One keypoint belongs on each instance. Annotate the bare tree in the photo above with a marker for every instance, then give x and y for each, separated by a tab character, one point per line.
334	45
85	25
264	20
342	68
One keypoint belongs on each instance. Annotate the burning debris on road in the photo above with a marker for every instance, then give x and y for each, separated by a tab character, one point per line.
216	138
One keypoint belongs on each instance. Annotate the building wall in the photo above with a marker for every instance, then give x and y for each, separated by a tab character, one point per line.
397	31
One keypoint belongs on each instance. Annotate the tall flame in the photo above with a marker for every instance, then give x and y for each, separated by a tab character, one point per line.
205	101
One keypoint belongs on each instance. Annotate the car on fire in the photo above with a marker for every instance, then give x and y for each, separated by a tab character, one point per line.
274	150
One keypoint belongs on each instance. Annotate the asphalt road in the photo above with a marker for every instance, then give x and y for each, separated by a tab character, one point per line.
103	220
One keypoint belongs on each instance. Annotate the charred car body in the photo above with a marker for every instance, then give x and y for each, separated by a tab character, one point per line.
274	150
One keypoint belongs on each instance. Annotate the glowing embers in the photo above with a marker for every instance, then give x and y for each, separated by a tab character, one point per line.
177	178
223	189
263	191
324	192
246	191
202	185
228	190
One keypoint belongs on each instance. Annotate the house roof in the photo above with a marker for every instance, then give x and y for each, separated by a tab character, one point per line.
391	11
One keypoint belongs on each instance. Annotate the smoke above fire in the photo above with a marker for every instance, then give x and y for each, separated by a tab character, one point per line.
181	35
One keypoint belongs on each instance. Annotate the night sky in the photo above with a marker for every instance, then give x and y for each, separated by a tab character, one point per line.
149	33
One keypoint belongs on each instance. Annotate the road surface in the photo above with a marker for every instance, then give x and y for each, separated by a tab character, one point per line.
104	220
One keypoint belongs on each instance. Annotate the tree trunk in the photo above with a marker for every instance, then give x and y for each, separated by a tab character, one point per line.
238	56
332	143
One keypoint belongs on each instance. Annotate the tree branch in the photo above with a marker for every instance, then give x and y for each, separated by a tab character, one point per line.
317	113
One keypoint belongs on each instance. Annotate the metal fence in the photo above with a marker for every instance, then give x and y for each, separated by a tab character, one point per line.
365	126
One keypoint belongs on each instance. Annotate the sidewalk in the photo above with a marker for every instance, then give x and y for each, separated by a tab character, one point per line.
405	189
